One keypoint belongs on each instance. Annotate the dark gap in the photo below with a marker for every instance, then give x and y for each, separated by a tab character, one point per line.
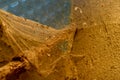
1	30
18	58
15	74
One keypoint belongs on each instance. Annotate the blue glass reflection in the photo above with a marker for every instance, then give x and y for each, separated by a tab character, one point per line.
53	13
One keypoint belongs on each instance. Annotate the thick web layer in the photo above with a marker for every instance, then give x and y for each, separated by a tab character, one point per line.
53	13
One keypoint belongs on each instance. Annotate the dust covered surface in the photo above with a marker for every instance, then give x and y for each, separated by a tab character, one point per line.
94	54
97	38
46	49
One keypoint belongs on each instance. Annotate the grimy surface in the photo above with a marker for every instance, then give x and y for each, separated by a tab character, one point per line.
95	53
53	13
97	38
43	47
